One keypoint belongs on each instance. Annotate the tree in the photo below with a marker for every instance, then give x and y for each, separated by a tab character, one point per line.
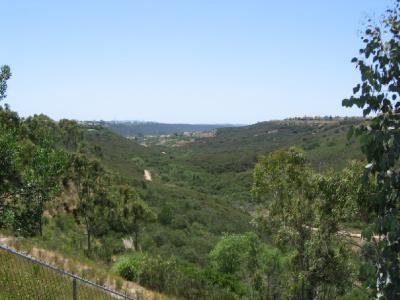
133	213
232	253
166	215
9	178
89	178
42	131
378	96
8	163
71	134
8	145
5	74
41	183
283	177
245	258
301	210
331	272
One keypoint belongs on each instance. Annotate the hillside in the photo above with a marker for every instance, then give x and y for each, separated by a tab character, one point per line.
198	195
237	149
205	184
223	165
135	128
197	215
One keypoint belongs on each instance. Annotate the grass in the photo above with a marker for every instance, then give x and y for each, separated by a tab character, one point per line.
93	270
23	279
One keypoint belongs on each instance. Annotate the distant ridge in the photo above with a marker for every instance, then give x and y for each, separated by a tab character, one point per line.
137	128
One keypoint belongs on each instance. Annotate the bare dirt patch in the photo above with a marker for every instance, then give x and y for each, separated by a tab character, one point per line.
147	175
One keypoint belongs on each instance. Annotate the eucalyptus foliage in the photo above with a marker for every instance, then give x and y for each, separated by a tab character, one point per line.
302	211
378	95
5	74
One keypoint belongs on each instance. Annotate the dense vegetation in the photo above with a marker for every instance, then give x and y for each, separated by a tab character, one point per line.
80	190
191	222
245	214
87	193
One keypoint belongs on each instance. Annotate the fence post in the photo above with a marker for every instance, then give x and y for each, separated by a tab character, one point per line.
74	289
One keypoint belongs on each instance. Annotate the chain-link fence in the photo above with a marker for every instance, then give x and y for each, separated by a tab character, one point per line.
25	277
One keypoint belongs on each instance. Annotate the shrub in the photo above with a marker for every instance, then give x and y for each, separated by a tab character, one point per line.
130	267
331	144
166	215
7	218
153	272
138	162
169	276
312	145
65	222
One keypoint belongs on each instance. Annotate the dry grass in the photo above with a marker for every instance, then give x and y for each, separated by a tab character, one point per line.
92	272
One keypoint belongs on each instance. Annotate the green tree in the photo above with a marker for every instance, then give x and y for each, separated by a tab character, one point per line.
9	178
89	179
71	134
331	271
8	164
134	212
42	131
231	254
245	258
166	215
42	180
10	175
378	96
284	177
8	143
301	210
5	74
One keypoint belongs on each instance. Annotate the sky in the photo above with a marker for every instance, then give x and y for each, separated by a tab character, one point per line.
205	61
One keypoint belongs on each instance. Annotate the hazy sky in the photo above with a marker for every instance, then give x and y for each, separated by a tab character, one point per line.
182	61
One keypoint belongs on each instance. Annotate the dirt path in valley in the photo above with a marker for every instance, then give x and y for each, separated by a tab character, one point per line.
147	175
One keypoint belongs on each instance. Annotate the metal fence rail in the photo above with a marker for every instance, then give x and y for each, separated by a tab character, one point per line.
26	277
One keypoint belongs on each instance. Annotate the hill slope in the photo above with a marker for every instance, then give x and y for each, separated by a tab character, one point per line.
199	189
153	128
205	184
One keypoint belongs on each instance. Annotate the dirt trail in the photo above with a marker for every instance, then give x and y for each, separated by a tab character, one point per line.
147	175
350	234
